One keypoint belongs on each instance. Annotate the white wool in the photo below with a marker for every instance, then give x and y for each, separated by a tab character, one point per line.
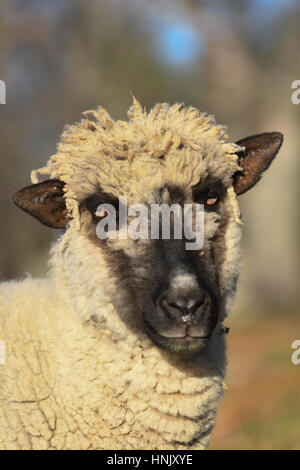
80	374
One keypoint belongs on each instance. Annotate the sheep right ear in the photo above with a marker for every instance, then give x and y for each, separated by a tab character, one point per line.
259	151
45	201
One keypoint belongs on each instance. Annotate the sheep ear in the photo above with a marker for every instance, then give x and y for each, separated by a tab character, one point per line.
259	152
45	201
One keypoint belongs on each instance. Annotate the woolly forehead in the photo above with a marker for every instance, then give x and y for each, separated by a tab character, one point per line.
172	144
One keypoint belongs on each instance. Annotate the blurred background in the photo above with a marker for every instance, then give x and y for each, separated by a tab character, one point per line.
232	58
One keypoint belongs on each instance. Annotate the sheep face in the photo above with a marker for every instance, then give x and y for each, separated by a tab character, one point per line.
173	155
181	289
176	292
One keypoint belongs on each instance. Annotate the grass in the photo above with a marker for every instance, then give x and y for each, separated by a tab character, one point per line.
261	408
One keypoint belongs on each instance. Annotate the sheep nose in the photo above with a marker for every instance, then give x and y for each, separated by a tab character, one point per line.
184	308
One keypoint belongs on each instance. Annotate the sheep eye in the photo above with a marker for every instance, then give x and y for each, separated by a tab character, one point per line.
212	201
101	213
93	204
209	195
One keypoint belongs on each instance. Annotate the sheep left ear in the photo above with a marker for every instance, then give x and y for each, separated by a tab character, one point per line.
45	201
259	152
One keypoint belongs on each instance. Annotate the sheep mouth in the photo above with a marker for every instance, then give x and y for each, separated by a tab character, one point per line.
186	343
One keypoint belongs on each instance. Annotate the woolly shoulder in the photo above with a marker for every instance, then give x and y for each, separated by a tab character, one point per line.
23	304
25	333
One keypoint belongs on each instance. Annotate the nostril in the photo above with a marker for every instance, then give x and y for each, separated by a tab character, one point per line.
186	307
199	304
170	308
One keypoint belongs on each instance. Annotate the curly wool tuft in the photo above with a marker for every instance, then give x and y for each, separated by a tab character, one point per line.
118	155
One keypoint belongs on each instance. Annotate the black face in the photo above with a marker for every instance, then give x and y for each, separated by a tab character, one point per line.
174	290
182	313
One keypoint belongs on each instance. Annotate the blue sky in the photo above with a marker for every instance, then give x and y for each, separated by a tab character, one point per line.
177	43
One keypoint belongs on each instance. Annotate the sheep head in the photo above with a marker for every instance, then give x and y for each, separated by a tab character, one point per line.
172	155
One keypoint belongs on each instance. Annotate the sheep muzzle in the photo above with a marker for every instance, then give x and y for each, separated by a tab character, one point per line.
181	320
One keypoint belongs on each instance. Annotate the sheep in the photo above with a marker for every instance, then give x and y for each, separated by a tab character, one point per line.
122	346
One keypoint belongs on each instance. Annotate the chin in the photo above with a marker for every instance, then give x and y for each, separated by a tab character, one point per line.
182	345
